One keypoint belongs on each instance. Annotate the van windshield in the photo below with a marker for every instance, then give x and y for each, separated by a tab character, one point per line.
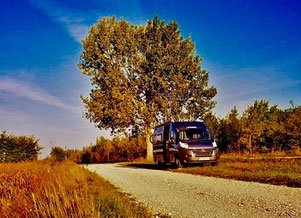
194	134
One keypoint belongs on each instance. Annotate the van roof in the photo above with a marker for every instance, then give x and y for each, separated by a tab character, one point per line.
184	124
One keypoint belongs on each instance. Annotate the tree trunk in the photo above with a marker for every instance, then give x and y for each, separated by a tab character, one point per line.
149	146
250	145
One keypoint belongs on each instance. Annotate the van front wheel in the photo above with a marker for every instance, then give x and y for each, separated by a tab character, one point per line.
178	163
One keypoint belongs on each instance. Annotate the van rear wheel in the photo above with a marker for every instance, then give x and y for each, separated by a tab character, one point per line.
158	163
178	162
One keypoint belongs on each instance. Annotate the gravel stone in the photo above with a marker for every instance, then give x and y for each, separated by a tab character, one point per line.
185	195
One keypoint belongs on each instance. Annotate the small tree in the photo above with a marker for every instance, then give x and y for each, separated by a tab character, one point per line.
18	148
257	120
74	155
58	154
234	129
292	128
142	76
213	123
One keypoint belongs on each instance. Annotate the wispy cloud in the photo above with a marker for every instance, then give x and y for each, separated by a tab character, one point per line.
236	83
72	22
11	115
249	81
77	23
32	92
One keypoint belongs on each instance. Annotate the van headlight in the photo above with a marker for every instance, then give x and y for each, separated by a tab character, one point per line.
214	144
183	145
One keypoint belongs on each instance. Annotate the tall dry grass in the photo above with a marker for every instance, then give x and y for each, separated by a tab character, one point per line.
294	153
44	189
272	169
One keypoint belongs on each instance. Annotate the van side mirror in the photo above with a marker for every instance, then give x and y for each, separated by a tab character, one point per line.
151	138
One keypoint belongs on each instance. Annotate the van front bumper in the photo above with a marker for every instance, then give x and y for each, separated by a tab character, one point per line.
200	155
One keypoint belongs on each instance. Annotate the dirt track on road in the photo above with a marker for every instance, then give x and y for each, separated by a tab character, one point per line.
184	195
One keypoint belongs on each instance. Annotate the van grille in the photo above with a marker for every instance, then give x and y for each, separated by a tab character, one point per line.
202	152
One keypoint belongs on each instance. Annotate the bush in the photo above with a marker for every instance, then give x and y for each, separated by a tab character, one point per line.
18	148
58	154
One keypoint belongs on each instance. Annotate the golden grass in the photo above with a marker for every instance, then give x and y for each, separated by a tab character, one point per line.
273	154
44	189
265	169
276	168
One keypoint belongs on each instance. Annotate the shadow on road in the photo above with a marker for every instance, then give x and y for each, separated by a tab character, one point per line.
149	166
154	166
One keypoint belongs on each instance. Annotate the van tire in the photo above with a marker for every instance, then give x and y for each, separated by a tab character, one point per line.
213	164
159	164
178	162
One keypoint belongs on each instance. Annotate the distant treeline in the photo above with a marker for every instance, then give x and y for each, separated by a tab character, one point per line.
260	128
104	150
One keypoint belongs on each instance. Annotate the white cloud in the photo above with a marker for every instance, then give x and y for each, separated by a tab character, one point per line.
73	23
32	92
78	31
11	115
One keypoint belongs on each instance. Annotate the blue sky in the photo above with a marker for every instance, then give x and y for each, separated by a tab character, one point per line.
252	50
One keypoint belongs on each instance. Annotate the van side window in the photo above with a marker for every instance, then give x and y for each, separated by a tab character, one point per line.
160	129
172	134
159	138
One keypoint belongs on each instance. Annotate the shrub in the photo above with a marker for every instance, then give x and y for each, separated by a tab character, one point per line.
18	148
58	154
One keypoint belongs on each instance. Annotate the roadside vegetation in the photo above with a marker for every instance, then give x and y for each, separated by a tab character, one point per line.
260	129
276	170
103	150
47	189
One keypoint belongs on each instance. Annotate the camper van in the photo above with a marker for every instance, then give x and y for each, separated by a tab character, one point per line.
183	143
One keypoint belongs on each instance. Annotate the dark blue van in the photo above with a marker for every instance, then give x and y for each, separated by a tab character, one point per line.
183	143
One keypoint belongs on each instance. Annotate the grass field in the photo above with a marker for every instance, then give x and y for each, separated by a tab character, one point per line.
44	189
271	168
277	171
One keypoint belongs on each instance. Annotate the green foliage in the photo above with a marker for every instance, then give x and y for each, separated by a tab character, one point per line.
73	155
117	149
142	76
212	122
18	148
104	150
57	153
257	122
261	128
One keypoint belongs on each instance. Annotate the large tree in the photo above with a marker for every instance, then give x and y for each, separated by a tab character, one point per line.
142	76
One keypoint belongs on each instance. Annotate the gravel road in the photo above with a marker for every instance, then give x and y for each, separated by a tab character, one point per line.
184	195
